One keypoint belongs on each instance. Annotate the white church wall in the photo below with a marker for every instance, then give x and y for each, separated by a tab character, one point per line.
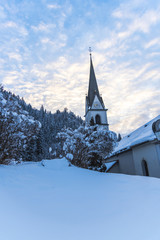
158	151
130	162
147	152
125	163
93	114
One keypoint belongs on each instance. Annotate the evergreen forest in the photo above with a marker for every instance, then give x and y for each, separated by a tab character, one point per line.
29	134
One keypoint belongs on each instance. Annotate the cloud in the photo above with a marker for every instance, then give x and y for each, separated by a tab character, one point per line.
153	42
136	16
44	56
107	43
10	24
2	13
56	43
43	27
53	6
15	56
141	23
13	26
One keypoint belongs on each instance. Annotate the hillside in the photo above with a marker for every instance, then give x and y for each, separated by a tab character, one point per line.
52	123
19	132
30	134
67	203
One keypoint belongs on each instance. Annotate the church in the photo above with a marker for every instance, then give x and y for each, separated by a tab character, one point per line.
137	153
95	111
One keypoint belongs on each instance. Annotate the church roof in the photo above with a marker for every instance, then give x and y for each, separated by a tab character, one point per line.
93	87
141	135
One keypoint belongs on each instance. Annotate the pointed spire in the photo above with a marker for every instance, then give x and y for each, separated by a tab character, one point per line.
93	87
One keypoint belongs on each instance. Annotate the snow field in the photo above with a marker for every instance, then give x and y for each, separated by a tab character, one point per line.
57	202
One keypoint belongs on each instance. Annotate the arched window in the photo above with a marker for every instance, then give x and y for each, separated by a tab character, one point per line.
92	122
98	119
145	168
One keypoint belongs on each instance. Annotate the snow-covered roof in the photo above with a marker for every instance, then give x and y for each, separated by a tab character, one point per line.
140	135
109	165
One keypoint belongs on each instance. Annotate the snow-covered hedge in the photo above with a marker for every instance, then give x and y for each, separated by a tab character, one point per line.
87	146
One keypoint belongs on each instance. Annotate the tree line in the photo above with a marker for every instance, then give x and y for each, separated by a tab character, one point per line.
29	134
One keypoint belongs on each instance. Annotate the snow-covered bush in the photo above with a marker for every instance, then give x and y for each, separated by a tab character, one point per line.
87	146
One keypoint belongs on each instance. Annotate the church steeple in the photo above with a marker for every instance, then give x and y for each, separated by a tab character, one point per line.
95	109
93	87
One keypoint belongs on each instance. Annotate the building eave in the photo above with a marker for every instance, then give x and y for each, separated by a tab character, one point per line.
88	110
131	147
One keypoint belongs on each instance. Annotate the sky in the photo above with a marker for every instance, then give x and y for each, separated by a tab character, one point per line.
44	55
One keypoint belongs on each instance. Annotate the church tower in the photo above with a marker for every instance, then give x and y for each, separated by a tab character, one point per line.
95	111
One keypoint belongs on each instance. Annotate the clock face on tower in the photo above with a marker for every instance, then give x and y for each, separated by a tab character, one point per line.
96	105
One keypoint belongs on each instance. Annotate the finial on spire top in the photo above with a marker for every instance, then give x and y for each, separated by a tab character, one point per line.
90	50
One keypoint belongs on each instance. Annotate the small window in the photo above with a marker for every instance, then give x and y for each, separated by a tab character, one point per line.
92	122
145	168
98	119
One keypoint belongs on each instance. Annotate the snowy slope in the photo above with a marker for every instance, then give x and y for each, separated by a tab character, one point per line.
57	202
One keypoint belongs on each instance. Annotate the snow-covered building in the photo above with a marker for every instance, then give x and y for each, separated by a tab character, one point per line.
95	111
139	152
